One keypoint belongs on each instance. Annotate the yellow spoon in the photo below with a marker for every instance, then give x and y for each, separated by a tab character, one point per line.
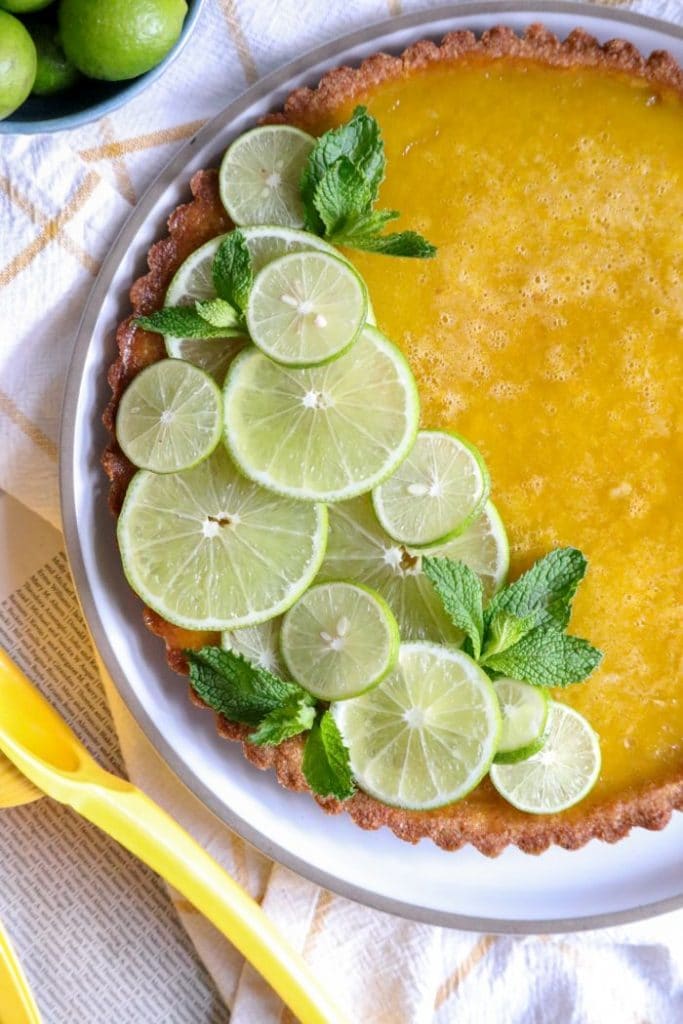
15	789
16	1005
45	750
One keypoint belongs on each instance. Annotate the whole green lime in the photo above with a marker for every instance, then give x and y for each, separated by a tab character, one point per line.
55	71
24	6
117	39
17	64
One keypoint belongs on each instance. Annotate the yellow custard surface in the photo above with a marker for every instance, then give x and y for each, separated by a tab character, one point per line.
549	331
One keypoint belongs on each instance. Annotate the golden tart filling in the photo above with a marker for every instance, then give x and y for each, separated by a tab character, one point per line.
549	331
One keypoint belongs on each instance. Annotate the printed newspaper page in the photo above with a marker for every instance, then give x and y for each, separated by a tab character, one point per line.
95	930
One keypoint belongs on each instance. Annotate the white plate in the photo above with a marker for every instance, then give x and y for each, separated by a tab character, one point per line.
595	886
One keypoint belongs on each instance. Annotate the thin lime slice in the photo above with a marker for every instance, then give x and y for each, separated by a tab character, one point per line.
326	433
359	549
207	549
193	283
306	308
258	644
339	640
170	417
260	175
436	492
426	735
561	774
525	712
483	546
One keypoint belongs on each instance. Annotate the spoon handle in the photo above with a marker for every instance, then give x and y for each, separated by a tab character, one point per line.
140	825
17	1006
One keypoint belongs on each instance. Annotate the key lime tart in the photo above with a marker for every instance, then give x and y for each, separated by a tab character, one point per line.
436	282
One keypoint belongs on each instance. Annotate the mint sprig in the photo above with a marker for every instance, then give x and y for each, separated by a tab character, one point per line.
462	596
340	185
521	633
546	590
218	313
545	656
238	689
183	322
284	722
276	710
221	317
232	272
326	760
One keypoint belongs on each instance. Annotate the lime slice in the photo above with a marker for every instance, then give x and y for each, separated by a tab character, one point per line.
193	283
525	712
170	417
426	735
483	546
306	308
561	774
326	433
260	175
339	640
258	644
207	549
359	549
436	492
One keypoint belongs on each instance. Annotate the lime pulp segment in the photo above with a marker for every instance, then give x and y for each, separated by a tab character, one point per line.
426	735
306	308
561	774
359	549
339	640
260	174
170	417
525	711
436	492
325	433
207	549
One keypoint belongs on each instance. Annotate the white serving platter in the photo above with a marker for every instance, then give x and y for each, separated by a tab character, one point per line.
597	886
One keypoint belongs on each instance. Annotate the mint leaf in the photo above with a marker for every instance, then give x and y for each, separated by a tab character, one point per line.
231	685
341	182
282	723
547	657
547	589
217	312
326	760
504	631
363	225
182	322
360	142
232	272
462	596
341	196
399	243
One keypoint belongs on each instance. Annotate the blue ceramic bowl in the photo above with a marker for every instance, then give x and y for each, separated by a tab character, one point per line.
90	99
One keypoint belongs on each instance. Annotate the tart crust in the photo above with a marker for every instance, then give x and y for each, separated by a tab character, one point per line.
492	827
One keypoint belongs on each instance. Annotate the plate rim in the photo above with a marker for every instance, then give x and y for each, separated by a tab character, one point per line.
423	20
